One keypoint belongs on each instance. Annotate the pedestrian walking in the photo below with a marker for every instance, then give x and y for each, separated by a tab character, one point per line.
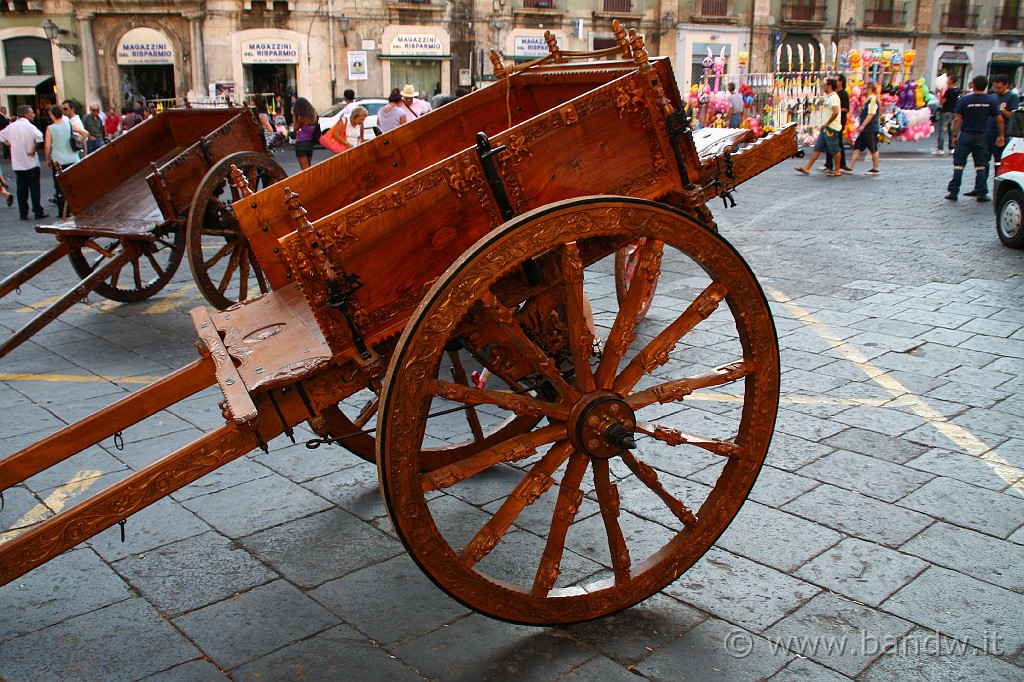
844	113
307	130
973	112
947	112
867	128
24	139
93	124
828	139
735	101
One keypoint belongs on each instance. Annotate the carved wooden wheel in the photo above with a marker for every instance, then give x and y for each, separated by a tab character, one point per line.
644	455
625	268
148	271
223	265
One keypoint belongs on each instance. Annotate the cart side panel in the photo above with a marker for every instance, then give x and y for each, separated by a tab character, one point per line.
400	239
176	181
346	178
154	140
610	141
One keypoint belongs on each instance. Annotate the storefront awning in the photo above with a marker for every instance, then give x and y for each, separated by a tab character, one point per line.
22	84
954	57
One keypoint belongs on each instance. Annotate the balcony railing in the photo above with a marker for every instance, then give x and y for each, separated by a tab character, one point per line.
539	4
885	14
713	8
960	17
800	12
1009	21
622	6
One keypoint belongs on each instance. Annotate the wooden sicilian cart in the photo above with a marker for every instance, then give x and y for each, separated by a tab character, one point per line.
577	479
143	200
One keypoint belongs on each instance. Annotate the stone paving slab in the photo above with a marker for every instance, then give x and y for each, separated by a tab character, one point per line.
890	510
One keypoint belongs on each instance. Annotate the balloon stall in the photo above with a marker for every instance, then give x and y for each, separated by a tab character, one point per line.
794	92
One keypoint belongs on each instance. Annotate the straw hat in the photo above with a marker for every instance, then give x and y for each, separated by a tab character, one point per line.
407	91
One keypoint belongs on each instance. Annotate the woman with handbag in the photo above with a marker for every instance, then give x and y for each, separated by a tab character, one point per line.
346	133
62	144
306	127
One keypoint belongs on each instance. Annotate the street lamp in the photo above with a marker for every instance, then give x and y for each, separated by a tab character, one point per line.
344	23
847	30
54	32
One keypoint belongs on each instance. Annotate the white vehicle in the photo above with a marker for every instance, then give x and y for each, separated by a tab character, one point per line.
1009	194
330	115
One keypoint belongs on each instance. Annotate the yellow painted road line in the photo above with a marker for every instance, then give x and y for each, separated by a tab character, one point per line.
53	503
76	378
22	253
173	301
959	436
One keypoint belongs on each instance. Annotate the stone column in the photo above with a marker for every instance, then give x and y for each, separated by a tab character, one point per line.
91	65
195	19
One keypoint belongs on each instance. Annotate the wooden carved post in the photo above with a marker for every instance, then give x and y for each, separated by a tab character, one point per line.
239	182
620	38
556	53
497	65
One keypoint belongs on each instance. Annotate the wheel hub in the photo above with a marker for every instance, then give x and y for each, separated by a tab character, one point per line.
1010	220
602	425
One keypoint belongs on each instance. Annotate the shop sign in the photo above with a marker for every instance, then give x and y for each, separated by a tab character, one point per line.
530	47
144	46
1007	57
269	51
416	44
954	57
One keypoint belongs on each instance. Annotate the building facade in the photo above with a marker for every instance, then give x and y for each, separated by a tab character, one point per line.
120	51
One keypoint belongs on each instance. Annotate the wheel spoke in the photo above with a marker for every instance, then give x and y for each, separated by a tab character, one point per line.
527	491
459	374
505	319
656	353
511	450
522	405
243	272
677	389
568	504
229	272
221	252
137	272
368	411
581	335
667	434
608	498
649	477
156	266
623	331
257	271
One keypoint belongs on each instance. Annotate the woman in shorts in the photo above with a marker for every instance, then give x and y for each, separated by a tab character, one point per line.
867	128
306	127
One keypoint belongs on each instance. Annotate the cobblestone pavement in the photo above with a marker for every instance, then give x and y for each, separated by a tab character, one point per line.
883	539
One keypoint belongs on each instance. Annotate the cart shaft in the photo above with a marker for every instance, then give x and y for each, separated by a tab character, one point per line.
33	268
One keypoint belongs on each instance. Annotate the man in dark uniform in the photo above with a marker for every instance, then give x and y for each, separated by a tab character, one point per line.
1008	103
973	112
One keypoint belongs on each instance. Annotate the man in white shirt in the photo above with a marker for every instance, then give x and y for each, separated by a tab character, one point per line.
23	137
829	138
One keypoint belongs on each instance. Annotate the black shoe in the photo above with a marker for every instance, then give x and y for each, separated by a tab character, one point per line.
972	193
24	217
52	200
42	215
951	197
10	200
982	198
